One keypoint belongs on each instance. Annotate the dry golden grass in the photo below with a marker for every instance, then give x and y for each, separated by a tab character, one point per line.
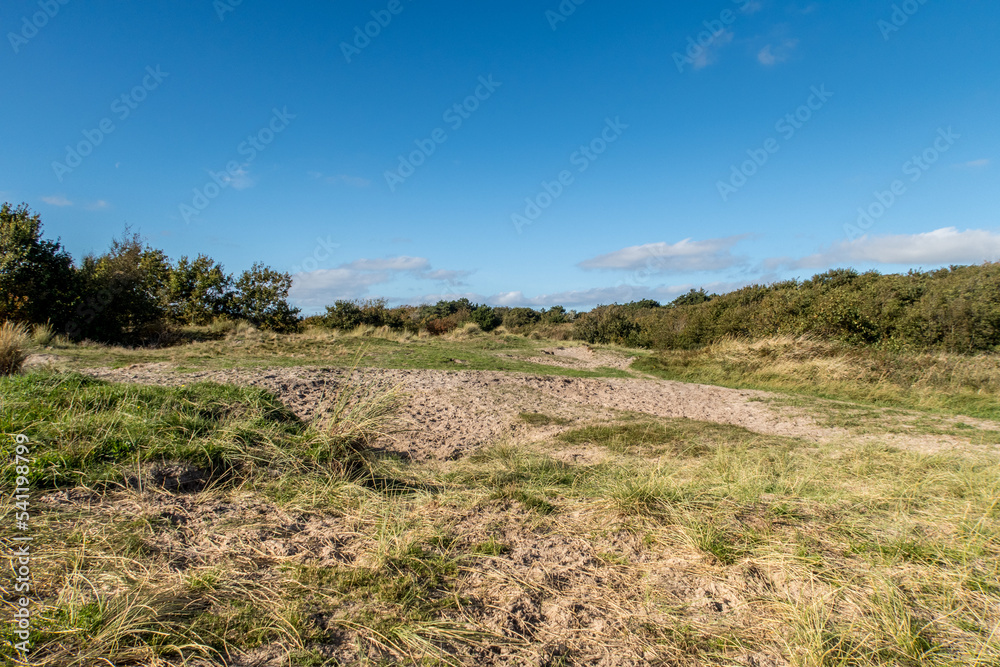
14	343
955	383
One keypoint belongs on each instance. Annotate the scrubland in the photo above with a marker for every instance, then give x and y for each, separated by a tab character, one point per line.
378	497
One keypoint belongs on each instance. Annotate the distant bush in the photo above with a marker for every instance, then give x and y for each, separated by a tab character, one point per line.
486	317
517	319
608	325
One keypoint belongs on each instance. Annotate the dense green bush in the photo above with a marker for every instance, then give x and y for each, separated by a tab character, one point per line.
486	317
609	325
37	280
349	315
518	319
955	309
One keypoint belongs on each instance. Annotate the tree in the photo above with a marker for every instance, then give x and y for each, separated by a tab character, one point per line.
197	291
261	298
126	289
37	279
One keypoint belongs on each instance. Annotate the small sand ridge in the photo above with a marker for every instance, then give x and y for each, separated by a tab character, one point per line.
449	414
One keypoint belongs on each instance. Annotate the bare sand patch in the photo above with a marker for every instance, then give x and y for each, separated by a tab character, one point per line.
452	413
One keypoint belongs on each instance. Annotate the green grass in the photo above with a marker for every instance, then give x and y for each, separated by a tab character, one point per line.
834	554
538	419
88	430
942	383
508	353
678	437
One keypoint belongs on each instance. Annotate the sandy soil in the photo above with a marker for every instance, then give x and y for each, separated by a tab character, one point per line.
451	413
555	587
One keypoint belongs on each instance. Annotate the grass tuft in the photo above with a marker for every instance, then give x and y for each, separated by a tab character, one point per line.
14	342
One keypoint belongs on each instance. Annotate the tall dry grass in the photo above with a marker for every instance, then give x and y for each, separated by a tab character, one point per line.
956	383
14	344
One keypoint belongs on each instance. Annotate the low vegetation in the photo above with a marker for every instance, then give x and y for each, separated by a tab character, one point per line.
14	347
925	380
207	522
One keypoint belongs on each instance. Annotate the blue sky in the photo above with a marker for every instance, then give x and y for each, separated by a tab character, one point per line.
598	152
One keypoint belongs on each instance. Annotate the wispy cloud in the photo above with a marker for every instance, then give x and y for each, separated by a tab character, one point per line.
401	263
710	53
241	179
57	200
941	246
686	255
623	293
98	205
353	181
353	280
975	164
773	54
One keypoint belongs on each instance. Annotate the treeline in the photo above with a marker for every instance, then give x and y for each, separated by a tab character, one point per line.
441	318
133	293
955	309
130	294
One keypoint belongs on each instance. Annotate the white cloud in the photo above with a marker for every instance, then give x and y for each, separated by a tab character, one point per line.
402	263
686	255
450	277
709	53
57	200
941	246
315	289
98	205
771	54
241	180
623	293
975	164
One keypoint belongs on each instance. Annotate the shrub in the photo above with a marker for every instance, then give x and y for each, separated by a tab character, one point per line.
486	317
261	298
348	315
519	318
441	325
608	325
14	342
